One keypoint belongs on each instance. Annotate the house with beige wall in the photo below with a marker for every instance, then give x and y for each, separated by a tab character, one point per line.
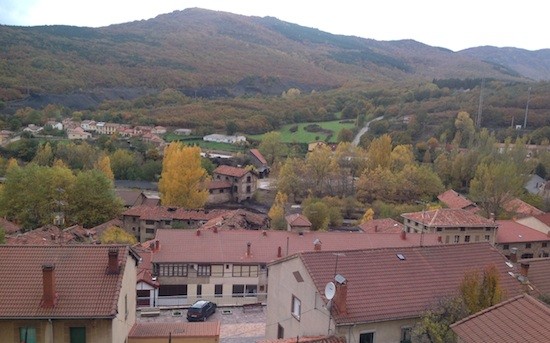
522	241
62	294
378	294
228	267
454	225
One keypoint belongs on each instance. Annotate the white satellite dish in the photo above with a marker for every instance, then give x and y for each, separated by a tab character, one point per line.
330	290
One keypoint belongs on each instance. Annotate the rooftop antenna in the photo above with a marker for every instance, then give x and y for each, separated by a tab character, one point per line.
527	108
480	108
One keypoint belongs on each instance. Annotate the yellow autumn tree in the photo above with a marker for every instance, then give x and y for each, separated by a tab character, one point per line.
116	235
103	164
183	181
368	216
277	211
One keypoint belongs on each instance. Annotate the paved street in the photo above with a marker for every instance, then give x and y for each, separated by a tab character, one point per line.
236	326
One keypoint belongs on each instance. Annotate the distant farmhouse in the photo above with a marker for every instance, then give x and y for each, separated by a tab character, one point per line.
224	138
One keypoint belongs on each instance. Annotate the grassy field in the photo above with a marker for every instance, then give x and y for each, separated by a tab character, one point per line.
302	136
204	145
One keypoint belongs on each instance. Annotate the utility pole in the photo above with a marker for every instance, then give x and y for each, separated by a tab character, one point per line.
527	108
480	108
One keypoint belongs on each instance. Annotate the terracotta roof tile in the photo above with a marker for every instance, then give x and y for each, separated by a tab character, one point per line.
52	235
298	219
83	287
383	287
238	219
539	273
519	319
449	217
453	199
521	208
161	212
231	245
258	155
544	218
230	171
510	231
307	339
382	225
9	227
182	329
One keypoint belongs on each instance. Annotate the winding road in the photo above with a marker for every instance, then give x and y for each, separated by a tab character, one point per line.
355	141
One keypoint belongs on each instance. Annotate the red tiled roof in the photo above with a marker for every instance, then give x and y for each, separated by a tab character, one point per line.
9	227
145	268
298	220
230	246
521	208
381	225
306	339
219	184
238	219
230	171
544	218
102	227
258	155
519	319
52	235
538	273
129	196
381	286
510	231
449	217
180	329
162	212
454	200
84	289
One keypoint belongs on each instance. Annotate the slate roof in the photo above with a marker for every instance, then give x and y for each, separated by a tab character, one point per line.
230	171
519	319
383	287
510	231
449	217
84	289
230	246
256	153
178	329
381	225
298	220
453	199
162	212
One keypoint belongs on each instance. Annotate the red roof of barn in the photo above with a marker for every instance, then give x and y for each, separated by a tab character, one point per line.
381	285
519	319
510	231
230	171
258	155
449	217
231	245
381	225
84	288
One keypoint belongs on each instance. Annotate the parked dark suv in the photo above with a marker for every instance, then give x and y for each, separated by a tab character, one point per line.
201	310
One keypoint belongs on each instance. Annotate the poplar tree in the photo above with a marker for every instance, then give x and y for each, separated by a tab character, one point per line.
183	181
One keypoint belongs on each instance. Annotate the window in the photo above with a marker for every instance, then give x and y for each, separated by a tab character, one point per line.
467	238
463	229
456	239
218	291
248	189
199	290
447	239
406	335
367	337
77	335
134	219
477	238
527	245
173	290
238	291
506	247
150	231
27	334
544	244
248	179
245	270
251	290
167	222
149	222
171	269
439	229
204	270
487	237
296	307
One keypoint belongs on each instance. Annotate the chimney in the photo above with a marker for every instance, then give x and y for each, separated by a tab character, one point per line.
279	252
264	233
340	297
524	268
492	216
198	232
248	248
112	267
317	245
403	235
48	286
157	245
439	239
375	228
514	255
215	229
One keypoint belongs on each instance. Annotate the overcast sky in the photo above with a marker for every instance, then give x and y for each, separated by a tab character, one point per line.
455	25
